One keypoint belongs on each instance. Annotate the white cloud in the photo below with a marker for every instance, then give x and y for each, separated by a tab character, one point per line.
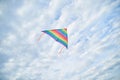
1	12
93	36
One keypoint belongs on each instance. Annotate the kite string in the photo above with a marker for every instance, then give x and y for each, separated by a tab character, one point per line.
40	36
60	50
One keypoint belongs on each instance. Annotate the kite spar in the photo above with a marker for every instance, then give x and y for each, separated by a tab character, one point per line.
60	35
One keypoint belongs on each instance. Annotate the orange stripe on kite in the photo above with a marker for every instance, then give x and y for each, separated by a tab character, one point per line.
60	35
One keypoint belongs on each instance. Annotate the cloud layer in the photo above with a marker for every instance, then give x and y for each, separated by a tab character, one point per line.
94	40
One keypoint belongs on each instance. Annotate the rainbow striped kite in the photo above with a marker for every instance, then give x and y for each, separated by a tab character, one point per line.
60	35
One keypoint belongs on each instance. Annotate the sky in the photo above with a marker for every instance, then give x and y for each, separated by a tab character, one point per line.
93	40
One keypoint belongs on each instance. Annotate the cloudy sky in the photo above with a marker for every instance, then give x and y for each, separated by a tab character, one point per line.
93	32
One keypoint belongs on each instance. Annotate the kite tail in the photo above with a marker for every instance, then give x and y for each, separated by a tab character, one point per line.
40	36
60	50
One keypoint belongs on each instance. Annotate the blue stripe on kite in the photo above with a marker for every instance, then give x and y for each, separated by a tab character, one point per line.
63	33
62	30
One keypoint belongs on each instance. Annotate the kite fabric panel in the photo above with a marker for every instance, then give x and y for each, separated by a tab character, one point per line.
60	35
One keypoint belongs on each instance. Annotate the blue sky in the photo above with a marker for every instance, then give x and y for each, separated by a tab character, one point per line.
93	32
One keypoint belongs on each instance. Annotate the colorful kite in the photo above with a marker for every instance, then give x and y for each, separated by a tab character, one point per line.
60	35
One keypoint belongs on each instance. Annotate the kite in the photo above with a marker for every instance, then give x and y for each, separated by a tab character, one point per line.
59	35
